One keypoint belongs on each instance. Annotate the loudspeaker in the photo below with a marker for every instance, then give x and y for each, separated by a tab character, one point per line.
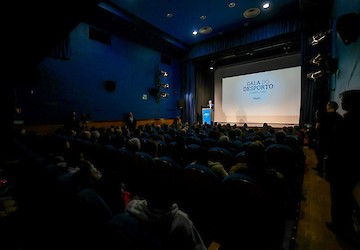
154	91
110	85
181	104
347	26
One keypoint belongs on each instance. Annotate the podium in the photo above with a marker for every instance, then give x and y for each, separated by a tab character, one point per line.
207	115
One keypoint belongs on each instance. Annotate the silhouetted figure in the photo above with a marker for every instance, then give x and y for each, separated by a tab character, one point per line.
344	168
131	122
326	127
71	123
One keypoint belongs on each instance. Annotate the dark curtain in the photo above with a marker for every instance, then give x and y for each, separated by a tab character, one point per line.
307	86
252	35
187	92
204	89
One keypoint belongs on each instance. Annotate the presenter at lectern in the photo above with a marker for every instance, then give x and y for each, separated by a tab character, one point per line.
210	104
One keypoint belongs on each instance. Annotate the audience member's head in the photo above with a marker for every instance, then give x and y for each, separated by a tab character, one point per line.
350	100
280	137
332	106
87	175
255	155
150	146
202	155
224	140
162	188
133	145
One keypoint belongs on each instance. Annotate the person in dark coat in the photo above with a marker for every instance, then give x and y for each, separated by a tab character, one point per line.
131	122
344	169
71	123
326	127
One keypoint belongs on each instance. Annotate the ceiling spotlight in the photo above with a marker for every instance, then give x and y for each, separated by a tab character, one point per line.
266	5
194	32
251	13
205	30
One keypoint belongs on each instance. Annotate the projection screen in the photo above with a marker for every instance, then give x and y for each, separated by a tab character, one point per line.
267	91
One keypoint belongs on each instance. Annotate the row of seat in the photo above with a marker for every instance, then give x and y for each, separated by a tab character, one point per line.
211	202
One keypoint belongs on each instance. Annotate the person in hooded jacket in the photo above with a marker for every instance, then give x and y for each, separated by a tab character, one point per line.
156	222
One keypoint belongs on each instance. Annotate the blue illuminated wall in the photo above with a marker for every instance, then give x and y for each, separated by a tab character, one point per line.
79	83
348	75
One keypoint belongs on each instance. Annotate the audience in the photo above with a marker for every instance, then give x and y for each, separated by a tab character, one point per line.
156	214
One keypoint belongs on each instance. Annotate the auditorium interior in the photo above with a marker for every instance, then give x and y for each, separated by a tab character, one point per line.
216	88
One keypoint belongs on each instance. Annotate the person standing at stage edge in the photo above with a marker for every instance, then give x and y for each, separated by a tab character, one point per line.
325	128
71	123
131	122
344	169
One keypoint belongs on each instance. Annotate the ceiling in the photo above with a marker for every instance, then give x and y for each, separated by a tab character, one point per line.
178	19
168	25
35	26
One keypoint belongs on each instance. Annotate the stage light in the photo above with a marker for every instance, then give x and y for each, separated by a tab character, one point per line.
317	59
164	85
156	91
317	38
164	95
315	75
164	73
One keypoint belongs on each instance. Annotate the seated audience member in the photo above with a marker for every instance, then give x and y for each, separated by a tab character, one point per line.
216	167
224	142
273	183
156	222
150	146
255	161
133	145
177	149
88	176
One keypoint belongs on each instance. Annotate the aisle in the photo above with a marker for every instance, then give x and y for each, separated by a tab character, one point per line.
312	233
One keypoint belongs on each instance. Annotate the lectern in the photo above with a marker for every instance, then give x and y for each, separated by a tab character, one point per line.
207	115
